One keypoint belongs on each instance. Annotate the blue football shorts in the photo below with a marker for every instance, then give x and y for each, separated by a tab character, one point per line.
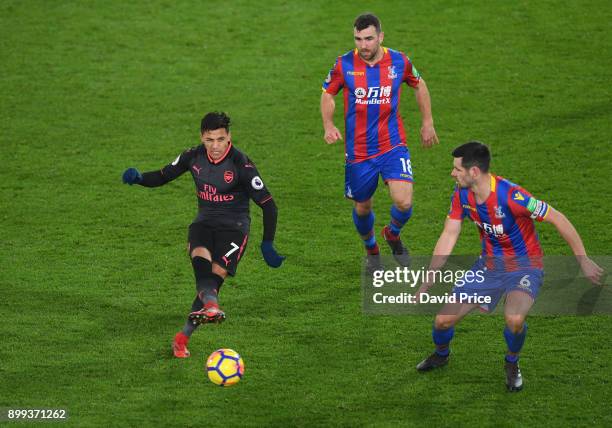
495	284
361	178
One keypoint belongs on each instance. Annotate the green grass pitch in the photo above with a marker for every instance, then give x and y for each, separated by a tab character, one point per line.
95	279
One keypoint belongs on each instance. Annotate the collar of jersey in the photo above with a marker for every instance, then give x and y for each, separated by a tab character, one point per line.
493	188
222	158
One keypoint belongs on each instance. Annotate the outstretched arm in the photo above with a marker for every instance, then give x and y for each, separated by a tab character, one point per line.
152	179
147	179
159	177
446	243
568	232
443	249
428	133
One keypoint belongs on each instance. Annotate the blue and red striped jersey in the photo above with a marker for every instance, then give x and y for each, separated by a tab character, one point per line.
373	125
504	220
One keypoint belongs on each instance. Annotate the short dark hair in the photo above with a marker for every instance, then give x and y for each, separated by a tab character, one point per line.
215	120
363	21
474	153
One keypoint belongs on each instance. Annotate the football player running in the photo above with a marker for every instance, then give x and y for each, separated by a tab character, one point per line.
371	77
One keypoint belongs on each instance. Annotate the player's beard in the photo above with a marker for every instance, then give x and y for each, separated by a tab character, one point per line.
371	56
465	183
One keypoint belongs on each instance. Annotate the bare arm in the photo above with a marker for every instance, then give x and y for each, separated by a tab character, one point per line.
568	232
428	133
446	243
444	248
328	106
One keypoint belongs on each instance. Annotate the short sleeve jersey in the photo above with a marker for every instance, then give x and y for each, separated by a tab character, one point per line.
505	220
373	125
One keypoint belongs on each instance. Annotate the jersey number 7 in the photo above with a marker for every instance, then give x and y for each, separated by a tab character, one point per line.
233	250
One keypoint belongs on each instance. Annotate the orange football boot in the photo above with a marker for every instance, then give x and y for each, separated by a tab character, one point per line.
179	345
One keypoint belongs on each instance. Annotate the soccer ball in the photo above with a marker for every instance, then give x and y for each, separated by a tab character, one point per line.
225	367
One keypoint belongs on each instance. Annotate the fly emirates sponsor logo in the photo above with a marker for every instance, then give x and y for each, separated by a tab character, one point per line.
209	193
373	95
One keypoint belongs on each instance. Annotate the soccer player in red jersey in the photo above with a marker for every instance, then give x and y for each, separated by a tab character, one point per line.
225	181
511	260
371	78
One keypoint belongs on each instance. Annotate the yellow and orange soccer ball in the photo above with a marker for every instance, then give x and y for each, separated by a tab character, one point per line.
225	367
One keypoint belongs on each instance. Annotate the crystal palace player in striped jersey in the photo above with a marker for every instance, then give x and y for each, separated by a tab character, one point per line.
225	181
511	259
375	141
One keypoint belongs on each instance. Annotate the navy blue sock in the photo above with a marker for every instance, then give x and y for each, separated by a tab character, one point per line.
515	342
365	226
370	242
441	339
398	219
512	358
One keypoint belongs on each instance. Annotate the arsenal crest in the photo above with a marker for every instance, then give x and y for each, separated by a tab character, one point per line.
228	176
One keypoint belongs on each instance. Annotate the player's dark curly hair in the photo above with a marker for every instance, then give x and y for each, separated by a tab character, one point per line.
215	120
364	20
474	153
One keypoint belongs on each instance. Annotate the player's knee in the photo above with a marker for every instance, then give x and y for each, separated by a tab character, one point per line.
404	204
444	322
515	322
201	252
363	208
218	270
